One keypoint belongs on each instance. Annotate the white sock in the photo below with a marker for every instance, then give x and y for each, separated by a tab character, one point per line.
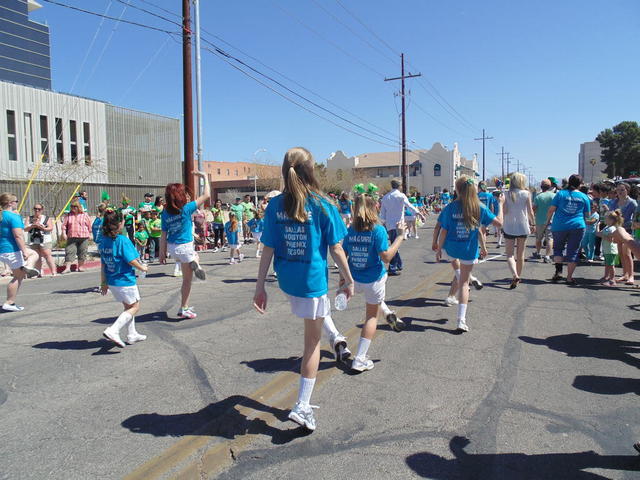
457	272
363	347
385	308
329	327
132	328
462	311
121	321
472	278
306	389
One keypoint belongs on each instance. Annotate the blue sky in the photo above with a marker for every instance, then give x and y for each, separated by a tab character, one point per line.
541	77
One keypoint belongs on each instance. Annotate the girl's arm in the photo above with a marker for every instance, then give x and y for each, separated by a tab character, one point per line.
18	234
552	210
338	255
103	281
388	254
260	295
498	221
163	248
140	266
436	233
483	243
530	212
49	225
207	189
441	238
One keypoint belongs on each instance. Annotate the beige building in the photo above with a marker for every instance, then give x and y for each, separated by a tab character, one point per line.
590	164
430	171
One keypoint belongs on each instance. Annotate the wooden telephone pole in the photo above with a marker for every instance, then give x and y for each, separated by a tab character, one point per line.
483	138
405	181
187	99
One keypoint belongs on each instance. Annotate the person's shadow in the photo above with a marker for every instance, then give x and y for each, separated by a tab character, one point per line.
104	346
220	419
520	466
582	345
285	364
607	385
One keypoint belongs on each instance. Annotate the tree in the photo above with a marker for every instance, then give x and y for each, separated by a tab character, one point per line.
621	149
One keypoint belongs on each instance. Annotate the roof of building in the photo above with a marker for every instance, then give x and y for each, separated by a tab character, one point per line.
382	159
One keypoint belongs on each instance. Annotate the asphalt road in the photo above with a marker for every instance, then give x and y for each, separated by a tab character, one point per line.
543	386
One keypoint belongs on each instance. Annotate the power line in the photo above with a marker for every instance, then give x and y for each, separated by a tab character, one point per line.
424	110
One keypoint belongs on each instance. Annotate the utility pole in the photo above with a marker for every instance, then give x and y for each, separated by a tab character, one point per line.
509	157
502	161
187	97
405	180
196	19
517	165
483	138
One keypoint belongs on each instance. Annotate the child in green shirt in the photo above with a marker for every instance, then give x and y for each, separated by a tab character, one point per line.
141	237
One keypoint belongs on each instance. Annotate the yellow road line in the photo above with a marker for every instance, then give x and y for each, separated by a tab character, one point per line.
215	459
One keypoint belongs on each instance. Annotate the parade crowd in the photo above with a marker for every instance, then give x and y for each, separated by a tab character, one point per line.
294	232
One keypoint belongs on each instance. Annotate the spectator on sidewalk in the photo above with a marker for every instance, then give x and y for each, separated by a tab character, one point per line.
13	251
541	205
238	210
76	231
249	208
39	227
159	204
83	197
154	226
147	204
129	215
392	213
218	226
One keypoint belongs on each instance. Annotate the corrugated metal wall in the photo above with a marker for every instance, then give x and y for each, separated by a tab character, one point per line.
142	148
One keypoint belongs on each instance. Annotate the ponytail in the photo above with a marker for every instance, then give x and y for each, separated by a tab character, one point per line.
234	222
365	214
299	182
469	201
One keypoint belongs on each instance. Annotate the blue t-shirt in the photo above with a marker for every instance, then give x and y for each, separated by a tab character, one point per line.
115	255
445	197
96	229
591	228
232	237
10	220
409	213
179	227
300	249
363	249
571	208
256	226
461	242
488	200
345	206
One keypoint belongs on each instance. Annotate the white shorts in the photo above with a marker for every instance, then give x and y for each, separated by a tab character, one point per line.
257	236
182	252
13	260
373	292
463	262
128	294
317	307
234	246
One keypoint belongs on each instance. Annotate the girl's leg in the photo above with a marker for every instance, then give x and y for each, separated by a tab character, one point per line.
126	317
522	242
132	334
463	296
185	291
50	262
338	342
509	248
302	412
14	285
362	362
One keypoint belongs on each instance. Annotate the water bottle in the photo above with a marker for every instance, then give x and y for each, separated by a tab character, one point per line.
340	301
142	274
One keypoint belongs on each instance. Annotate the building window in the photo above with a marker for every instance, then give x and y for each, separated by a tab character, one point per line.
228	172
437	170
11	134
249	170
59	141
86	138
379	172
218	171
28	136
73	141
44	138
236	173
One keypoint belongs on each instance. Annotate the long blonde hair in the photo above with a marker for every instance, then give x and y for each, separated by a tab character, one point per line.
469	201
517	181
299	182
365	213
5	199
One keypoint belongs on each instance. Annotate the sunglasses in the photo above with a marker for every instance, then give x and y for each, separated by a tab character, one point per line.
36	208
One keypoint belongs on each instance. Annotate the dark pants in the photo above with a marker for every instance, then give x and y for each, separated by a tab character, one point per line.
154	247
396	262
129	229
218	235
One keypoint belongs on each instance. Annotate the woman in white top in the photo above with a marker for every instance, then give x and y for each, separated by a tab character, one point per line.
519	219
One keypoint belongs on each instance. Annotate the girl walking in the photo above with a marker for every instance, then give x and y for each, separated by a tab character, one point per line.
613	220
460	235
300	225
367	249
256	224
119	257
232	231
589	239
177	237
344	203
218	226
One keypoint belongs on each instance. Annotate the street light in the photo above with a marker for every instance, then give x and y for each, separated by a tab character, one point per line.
255	187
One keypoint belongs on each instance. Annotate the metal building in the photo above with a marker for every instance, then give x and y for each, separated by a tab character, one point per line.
24	45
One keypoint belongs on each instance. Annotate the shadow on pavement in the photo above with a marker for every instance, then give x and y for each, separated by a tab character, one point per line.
633	324
607	385
417	302
412	326
582	345
220	419
80	290
147	317
290	364
519	466
104	347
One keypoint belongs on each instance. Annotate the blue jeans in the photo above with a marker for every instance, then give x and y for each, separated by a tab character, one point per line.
571	239
396	262
589	244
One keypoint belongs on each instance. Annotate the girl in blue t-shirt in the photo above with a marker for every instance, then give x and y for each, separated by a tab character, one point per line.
460	235
256	224
119	257
177	236
232	230
300	225
345	208
367	249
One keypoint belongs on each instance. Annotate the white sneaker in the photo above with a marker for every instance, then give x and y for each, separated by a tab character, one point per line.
462	325
451	301
131	339
303	415
258	255
362	365
339	344
477	284
232	261
113	337
416	237
215	249
12	307
197	270
31	272
224	249
187	313
240	257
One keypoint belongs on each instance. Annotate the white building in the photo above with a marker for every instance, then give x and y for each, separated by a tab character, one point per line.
590	164
430	171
